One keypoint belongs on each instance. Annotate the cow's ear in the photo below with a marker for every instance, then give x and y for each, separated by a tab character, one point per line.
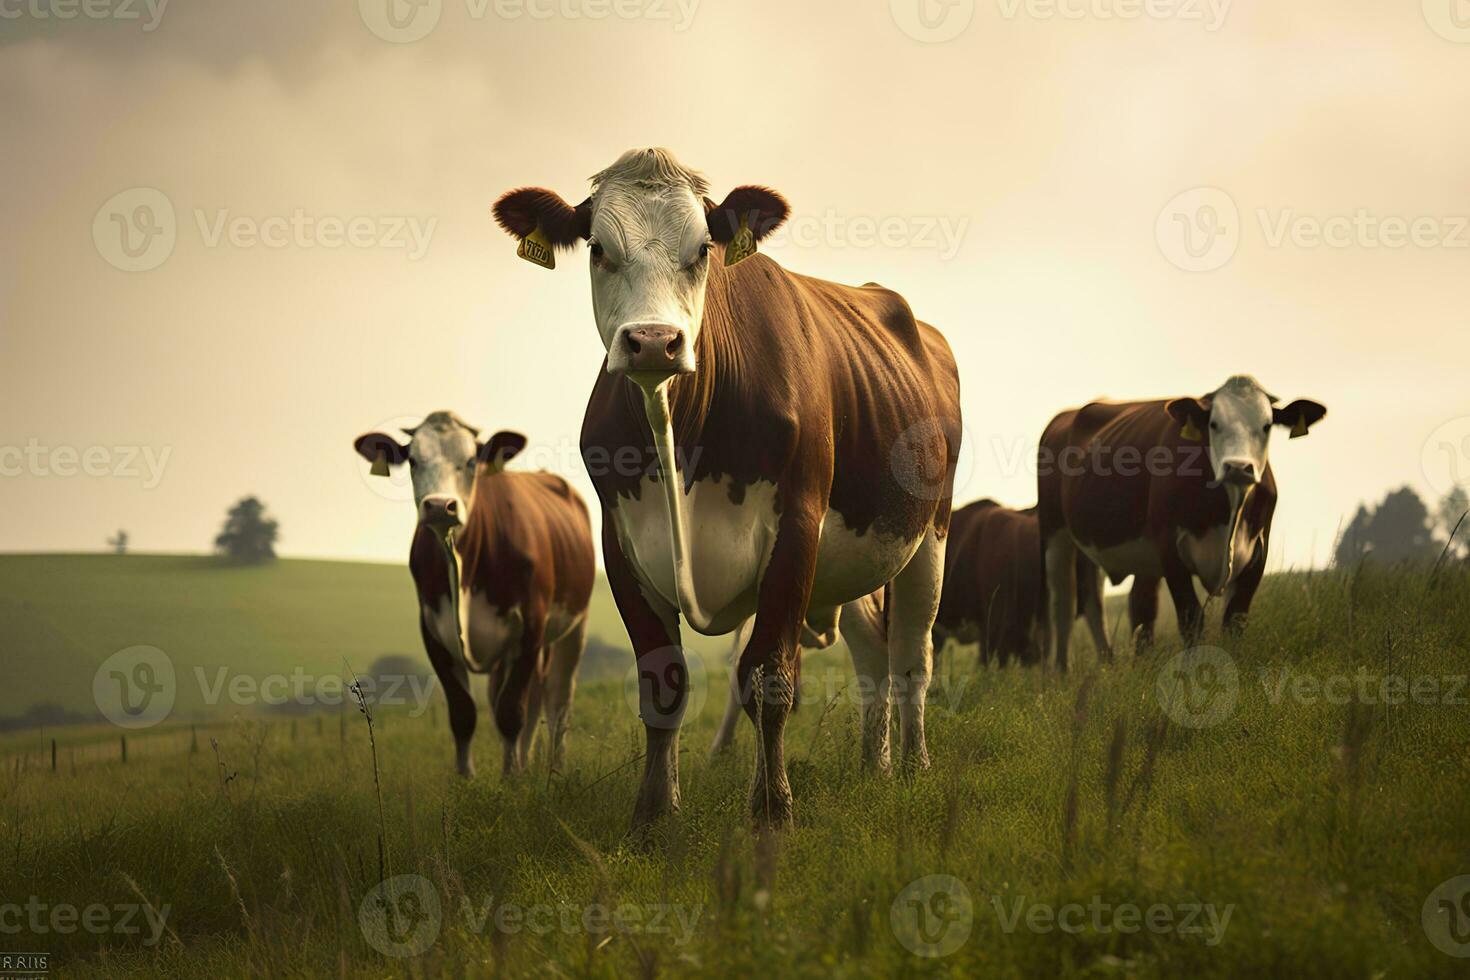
1192	414
501	449
381	450
1299	416
759	209
539	217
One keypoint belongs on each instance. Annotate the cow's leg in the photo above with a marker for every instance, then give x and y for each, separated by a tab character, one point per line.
455	679
512	699
913	603
768	667
1243	591
1061	594
1143	610
1186	602
663	680
1090	598
726	735
535	695
867	641
561	684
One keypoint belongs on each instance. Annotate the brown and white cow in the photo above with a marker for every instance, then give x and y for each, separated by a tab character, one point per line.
763	443
993	584
1168	490
503	563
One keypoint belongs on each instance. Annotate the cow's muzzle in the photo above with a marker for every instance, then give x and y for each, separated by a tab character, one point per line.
651	351
1240	472
441	512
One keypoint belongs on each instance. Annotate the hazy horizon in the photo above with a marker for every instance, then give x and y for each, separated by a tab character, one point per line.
1092	206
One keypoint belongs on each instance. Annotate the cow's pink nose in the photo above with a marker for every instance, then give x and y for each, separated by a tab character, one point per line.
654	347
440	510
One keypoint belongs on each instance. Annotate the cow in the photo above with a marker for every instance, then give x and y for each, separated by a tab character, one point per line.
1168	490
994	589
503	563
763	444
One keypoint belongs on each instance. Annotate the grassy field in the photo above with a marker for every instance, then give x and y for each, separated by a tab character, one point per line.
62	615
1282	807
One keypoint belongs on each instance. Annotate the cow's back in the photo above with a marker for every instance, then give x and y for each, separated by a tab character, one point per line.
528	538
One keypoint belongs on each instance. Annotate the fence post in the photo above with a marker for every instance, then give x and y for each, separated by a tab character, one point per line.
53	755
123	742
193	739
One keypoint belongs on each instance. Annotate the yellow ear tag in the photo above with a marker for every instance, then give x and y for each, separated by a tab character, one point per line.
1191	431
742	246
1300	429
536	248
380	464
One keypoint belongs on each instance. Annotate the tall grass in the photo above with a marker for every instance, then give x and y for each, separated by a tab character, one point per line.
1324	826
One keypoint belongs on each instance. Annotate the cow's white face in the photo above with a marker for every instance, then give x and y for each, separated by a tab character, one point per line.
650	248
1235	420
1239	434
442	453
442	456
651	232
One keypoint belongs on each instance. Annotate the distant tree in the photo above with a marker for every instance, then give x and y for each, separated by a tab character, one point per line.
1398	529
119	542
1451	509
249	535
1353	543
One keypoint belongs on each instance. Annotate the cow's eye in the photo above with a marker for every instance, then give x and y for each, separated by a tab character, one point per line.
1266	428
704	250
596	252
1214	426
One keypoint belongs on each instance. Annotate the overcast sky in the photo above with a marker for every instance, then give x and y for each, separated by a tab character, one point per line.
238	234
